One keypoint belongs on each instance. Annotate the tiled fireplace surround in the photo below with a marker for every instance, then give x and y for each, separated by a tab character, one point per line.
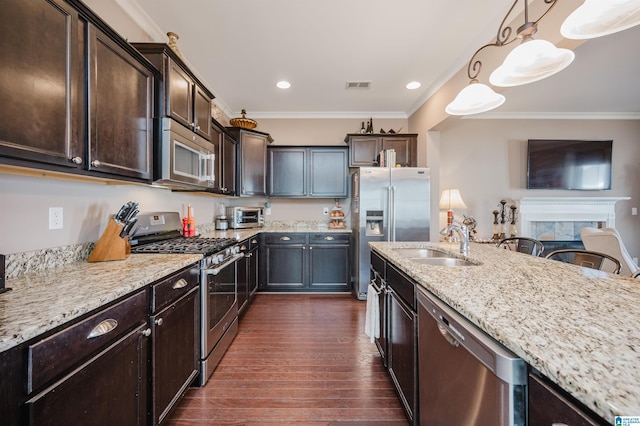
561	218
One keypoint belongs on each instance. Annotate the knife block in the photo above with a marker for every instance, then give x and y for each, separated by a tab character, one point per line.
111	246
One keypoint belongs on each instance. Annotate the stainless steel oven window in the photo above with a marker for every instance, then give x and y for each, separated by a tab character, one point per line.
222	294
219	301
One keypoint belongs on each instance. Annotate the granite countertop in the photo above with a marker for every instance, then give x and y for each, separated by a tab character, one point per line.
48	291
243	234
41	301
577	326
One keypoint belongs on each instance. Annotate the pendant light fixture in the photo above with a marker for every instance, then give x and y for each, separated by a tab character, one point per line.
532	60
596	18
474	99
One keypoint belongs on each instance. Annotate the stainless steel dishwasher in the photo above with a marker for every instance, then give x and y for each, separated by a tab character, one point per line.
465	377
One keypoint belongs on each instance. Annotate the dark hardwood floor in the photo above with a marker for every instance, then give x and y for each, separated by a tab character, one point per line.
298	359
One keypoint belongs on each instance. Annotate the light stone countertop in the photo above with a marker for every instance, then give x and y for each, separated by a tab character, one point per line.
243	234
46	297
41	301
579	327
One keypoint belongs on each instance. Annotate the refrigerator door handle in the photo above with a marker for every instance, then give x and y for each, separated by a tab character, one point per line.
392	213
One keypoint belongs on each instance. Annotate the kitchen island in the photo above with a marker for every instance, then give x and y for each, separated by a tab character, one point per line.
577	326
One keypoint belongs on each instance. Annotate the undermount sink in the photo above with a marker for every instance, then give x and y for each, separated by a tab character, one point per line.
413	253
427	256
442	261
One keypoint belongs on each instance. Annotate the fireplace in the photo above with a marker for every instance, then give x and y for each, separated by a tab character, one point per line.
556	221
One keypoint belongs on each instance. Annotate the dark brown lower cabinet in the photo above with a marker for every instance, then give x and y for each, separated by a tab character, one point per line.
306	262
401	352
247	272
175	332
329	266
109	388
174	352
286	265
548	406
402	338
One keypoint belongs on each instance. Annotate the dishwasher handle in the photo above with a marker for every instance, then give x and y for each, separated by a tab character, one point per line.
448	337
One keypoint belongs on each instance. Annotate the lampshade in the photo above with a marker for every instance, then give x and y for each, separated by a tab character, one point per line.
597	18
531	61
474	99
451	199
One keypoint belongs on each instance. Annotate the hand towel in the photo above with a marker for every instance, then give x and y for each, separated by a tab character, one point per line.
372	316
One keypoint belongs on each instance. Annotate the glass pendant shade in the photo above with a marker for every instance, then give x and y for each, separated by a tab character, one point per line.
596	18
474	99
531	61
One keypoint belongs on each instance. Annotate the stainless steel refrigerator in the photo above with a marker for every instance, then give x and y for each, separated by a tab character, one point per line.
388	204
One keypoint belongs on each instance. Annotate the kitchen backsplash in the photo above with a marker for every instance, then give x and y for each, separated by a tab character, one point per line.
44	259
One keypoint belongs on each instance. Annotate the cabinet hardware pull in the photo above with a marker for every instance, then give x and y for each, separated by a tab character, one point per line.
146	332
329	238
254	241
181	283
76	160
159	321
96	163
243	248
285	238
103	328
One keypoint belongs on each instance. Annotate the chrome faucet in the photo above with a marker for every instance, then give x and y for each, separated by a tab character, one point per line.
463	232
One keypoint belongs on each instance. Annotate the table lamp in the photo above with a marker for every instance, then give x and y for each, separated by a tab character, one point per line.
449	200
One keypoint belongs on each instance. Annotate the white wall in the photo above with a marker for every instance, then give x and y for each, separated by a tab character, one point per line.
486	160
88	205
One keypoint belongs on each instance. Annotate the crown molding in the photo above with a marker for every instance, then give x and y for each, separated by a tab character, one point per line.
554	116
329	114
142	18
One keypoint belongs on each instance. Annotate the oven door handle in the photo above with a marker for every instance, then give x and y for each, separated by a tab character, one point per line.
218	268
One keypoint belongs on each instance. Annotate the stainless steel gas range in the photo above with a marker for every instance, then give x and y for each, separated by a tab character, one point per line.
159	233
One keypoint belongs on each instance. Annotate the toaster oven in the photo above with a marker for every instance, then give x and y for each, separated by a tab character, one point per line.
245	217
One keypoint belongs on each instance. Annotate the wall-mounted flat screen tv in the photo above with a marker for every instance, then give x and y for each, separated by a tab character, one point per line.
569	164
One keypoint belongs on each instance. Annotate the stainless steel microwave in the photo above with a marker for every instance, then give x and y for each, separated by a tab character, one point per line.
185	159
245	217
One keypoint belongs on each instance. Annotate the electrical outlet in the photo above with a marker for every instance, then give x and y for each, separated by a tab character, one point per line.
325	211
55	218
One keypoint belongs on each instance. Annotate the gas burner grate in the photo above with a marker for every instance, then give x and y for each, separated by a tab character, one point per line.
186	245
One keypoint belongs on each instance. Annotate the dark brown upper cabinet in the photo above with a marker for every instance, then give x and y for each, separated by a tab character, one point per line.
121	100
251	161
365	149
40	83
77	98
307	172
225	164
181	95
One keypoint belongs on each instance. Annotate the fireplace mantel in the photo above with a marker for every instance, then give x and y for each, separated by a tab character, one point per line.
565	209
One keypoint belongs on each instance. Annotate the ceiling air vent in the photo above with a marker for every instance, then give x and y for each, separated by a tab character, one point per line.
358	85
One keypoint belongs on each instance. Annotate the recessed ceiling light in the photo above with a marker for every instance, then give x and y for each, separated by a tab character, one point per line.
413	85
283	84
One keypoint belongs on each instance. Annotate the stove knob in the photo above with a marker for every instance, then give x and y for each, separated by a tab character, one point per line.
219	258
